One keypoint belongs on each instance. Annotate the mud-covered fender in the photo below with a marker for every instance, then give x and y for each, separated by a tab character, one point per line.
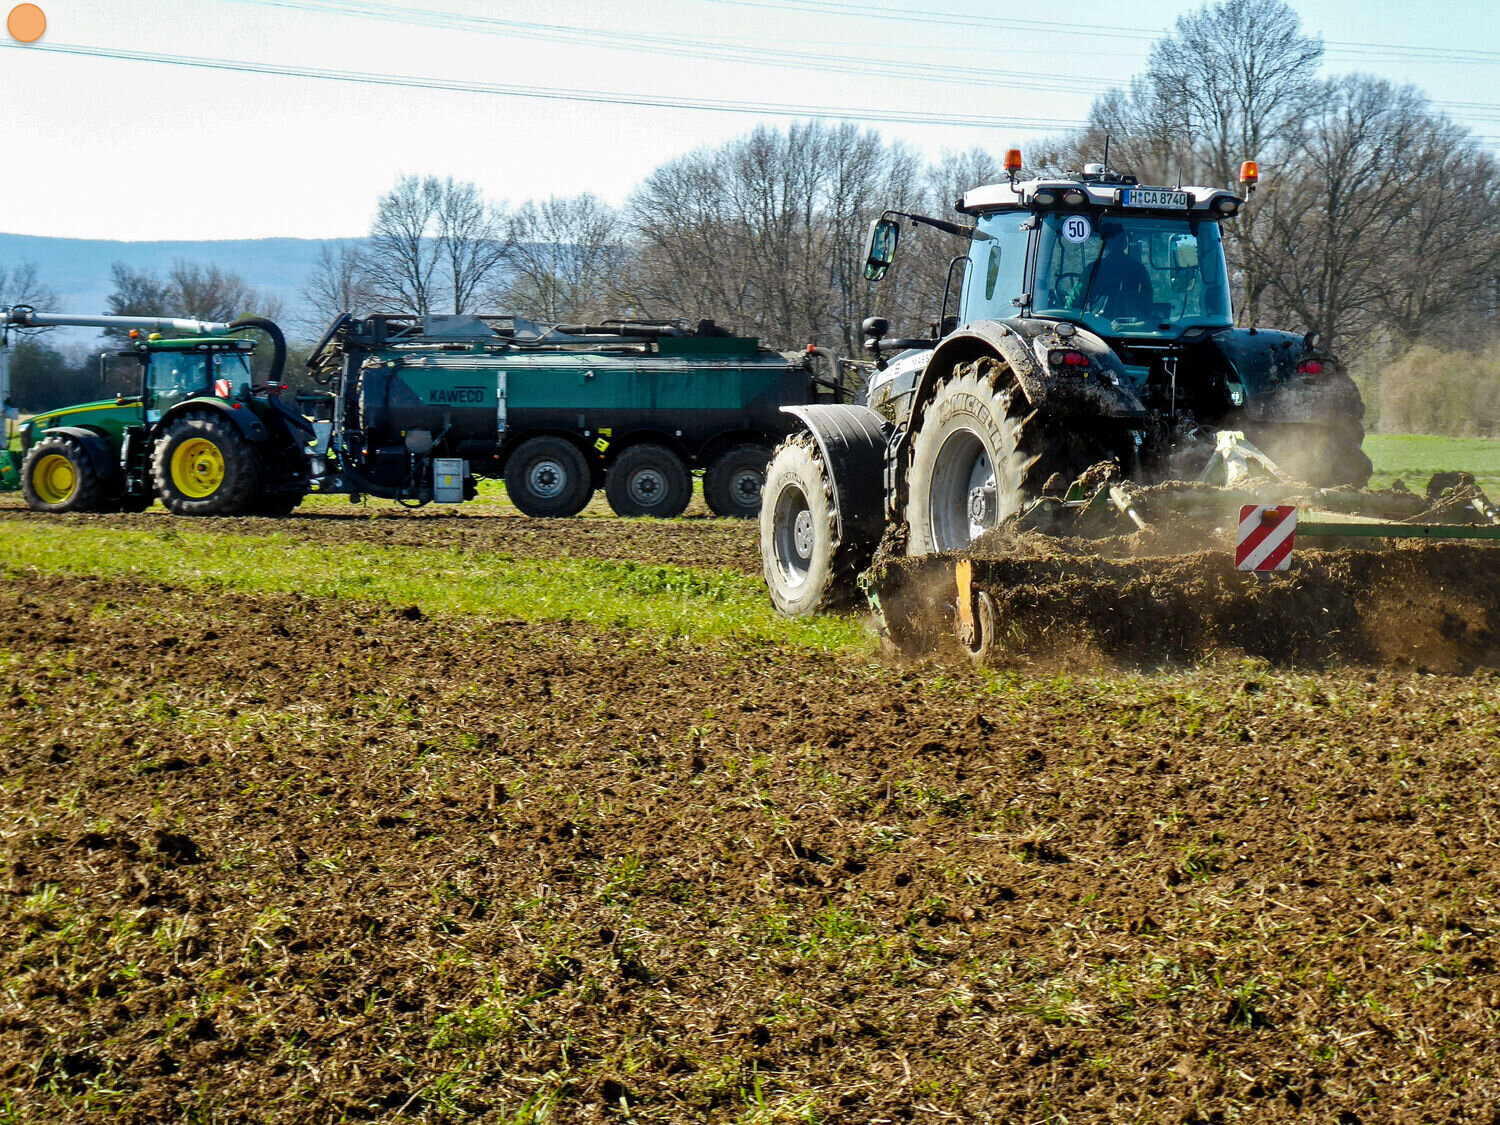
1016	342
95	446
984	338
1275	391
852	440
247	420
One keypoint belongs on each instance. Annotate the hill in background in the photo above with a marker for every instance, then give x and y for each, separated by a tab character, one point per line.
78	268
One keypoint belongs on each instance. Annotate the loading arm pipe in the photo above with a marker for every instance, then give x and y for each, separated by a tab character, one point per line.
21	316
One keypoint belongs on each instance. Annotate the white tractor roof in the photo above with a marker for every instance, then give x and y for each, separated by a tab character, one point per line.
1101	193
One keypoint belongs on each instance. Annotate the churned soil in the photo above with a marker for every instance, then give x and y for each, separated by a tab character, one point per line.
299	860
1428	607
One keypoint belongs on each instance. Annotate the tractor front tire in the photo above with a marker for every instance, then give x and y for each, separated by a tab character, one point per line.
648	480
57	476
548	476
808	569
733	483
204	466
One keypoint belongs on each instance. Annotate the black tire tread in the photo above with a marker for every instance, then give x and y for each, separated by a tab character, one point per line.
716	487
839	588
86	495
242	467
679	488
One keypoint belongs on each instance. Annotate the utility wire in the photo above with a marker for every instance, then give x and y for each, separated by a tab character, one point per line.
697	48
1400	51
718	105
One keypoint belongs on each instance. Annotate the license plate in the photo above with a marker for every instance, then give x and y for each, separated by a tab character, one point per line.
1146	197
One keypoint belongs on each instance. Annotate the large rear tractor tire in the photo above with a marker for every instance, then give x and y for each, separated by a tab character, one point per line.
548	476
1324	454
204	466
806	566
733	483
1323	447
648	480
968	471
57	476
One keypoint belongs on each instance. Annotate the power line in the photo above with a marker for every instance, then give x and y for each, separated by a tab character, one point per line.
717	105
1401	51
697	48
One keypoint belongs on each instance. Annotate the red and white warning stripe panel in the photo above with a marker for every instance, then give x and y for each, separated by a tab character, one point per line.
1265	537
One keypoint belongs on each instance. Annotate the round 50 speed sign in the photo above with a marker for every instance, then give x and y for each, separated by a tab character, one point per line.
1076	229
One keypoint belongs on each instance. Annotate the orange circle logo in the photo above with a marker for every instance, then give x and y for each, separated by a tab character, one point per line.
26	22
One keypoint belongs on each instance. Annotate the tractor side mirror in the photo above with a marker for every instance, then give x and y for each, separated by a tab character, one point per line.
880	248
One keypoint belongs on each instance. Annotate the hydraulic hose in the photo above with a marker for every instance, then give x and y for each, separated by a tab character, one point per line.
278	342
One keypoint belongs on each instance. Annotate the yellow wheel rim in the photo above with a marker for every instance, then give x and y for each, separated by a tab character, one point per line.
54	478
197	468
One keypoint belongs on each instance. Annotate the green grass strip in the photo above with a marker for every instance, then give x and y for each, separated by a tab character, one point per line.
1415	457
659	600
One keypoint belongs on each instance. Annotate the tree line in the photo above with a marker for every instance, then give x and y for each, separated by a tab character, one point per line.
1376	223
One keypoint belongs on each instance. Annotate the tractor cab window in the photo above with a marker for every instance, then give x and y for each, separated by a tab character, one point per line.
1132	275
997	265
232	368
175	377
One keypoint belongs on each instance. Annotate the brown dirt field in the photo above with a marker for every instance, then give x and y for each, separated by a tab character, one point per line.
291	860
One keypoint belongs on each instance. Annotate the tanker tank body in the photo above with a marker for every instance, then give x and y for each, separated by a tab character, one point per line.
556	411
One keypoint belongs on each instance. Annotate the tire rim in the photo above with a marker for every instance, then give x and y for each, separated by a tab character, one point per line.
792	535
745	487
647	486
54	478
547	478
197	468
962	467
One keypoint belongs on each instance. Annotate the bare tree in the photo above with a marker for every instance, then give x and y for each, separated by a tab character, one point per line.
863	177
190	289
471	240
403	252
563	258
339	283
19	285
434	243
765	232
688	245
1327	233
210	293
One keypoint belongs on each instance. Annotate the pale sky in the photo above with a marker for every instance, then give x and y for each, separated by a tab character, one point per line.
99	147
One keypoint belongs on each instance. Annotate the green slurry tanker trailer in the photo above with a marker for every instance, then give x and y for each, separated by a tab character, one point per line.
415	409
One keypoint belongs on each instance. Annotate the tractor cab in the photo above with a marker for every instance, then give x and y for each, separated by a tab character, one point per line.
1102	252
1139	271
178	370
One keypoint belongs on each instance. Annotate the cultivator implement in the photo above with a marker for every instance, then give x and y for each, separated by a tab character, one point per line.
1162	574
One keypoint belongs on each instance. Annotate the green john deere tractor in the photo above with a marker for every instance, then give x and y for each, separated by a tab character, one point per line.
198	432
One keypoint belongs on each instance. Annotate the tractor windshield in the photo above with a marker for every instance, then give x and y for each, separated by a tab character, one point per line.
1132	275
174	377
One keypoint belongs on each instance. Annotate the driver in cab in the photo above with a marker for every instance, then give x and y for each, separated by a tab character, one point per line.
1120	287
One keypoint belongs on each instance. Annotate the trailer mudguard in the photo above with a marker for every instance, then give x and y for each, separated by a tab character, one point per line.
96	446
852	440
247	420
